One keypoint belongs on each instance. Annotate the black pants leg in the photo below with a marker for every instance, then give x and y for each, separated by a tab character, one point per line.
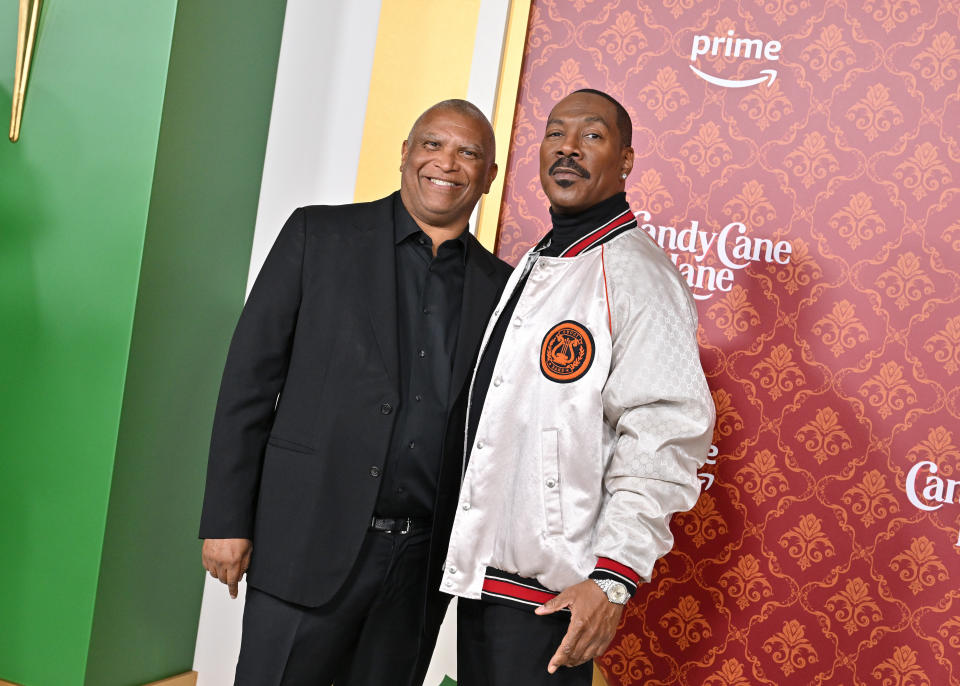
369	634
500	645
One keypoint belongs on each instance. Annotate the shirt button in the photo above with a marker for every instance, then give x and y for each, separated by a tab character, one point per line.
452	570
466	506
374	471
479	445
412	445
418	397
386	408
497	381
448	583
551	483
426	310
422	352
517	321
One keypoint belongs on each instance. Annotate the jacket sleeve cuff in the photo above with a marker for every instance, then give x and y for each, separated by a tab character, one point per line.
611	569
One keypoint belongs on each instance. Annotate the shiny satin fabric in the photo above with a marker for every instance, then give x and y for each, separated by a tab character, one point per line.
566	470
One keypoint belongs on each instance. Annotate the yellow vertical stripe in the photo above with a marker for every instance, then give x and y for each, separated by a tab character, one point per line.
507	89
423	55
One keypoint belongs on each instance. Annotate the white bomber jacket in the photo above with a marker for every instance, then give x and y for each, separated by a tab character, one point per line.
594	425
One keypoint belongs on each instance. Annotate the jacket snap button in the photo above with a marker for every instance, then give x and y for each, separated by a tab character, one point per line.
374	471
479	445
452	570
551	483
497	381
466	506
517	321
386	408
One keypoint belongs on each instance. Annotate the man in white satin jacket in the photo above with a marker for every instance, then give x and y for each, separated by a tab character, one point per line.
589	417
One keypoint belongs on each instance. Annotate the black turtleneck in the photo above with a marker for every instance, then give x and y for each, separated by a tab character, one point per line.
567	229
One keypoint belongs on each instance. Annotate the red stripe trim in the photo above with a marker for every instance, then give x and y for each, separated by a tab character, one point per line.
606	293
614	566
578	247
515	591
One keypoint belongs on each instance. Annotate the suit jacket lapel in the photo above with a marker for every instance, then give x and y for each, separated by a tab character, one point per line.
480	290
379	282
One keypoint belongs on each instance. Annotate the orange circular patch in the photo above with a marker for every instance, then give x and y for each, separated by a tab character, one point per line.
566	352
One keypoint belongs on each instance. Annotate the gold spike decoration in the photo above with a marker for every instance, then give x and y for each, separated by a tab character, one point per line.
26	38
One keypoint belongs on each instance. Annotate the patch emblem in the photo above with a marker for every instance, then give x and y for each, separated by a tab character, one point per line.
566	352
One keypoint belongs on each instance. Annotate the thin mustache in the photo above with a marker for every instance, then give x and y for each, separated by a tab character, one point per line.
568	163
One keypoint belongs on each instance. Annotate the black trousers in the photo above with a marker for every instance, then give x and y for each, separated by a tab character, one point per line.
500	645
370	634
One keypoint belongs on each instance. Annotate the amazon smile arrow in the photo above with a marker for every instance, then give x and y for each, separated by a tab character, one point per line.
771	74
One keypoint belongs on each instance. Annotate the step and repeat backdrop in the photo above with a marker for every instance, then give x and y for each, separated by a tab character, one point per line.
799	160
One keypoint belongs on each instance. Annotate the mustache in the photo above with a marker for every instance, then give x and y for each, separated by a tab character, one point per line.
568	163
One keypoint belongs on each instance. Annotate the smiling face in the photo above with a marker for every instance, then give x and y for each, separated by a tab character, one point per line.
447	163
582	155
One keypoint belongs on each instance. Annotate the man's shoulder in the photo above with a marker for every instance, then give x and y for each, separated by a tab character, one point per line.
355	214
633	260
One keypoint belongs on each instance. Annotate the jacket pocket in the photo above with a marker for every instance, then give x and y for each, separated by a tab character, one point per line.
284	444
550	485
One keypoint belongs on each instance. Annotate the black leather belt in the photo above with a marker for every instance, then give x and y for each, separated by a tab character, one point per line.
399	525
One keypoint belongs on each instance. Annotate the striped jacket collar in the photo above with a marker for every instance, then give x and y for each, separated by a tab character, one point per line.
606	231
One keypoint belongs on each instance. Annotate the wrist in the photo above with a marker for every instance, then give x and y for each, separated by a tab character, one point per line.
615	591
607	568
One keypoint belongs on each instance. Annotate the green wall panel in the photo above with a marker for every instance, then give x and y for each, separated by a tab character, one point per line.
124	246
74	195
196	257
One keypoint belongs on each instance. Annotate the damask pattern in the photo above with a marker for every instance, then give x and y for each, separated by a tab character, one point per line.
817	218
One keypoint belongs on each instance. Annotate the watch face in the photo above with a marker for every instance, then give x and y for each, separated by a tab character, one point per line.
618	594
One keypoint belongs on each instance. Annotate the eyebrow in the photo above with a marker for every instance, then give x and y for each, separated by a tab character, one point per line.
473	147
592	118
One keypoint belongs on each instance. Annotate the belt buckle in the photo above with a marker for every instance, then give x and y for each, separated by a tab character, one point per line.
406	526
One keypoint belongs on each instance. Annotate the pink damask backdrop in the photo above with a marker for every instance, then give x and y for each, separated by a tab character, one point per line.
817	218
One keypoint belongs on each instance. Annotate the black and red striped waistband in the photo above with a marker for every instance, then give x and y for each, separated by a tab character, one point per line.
511	589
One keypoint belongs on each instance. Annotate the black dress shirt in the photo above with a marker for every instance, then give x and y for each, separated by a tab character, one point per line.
429	295
566	229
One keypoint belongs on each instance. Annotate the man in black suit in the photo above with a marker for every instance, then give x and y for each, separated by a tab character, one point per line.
337	443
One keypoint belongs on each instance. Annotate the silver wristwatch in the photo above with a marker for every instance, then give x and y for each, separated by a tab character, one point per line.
616	592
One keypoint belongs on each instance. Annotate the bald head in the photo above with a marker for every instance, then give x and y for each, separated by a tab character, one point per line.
467	109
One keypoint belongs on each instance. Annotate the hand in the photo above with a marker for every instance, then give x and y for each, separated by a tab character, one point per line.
593	622
227	559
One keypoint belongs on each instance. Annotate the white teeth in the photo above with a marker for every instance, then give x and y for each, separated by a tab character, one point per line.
441	182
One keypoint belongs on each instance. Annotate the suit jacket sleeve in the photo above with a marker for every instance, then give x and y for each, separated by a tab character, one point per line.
253	377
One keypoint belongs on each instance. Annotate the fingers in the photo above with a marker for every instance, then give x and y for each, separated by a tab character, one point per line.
583	641
558	602
565	652
580	647
227	560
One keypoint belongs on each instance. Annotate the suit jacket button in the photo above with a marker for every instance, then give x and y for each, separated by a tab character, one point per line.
374	471
386	408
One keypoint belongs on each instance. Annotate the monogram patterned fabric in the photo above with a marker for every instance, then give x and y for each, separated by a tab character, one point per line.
815	211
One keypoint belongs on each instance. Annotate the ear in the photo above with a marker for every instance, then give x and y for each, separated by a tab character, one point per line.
491	175
404	149
626	164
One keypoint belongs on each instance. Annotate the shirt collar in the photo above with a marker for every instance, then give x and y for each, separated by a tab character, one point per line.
404	228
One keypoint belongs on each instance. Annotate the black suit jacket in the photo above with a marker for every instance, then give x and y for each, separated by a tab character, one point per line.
309	396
